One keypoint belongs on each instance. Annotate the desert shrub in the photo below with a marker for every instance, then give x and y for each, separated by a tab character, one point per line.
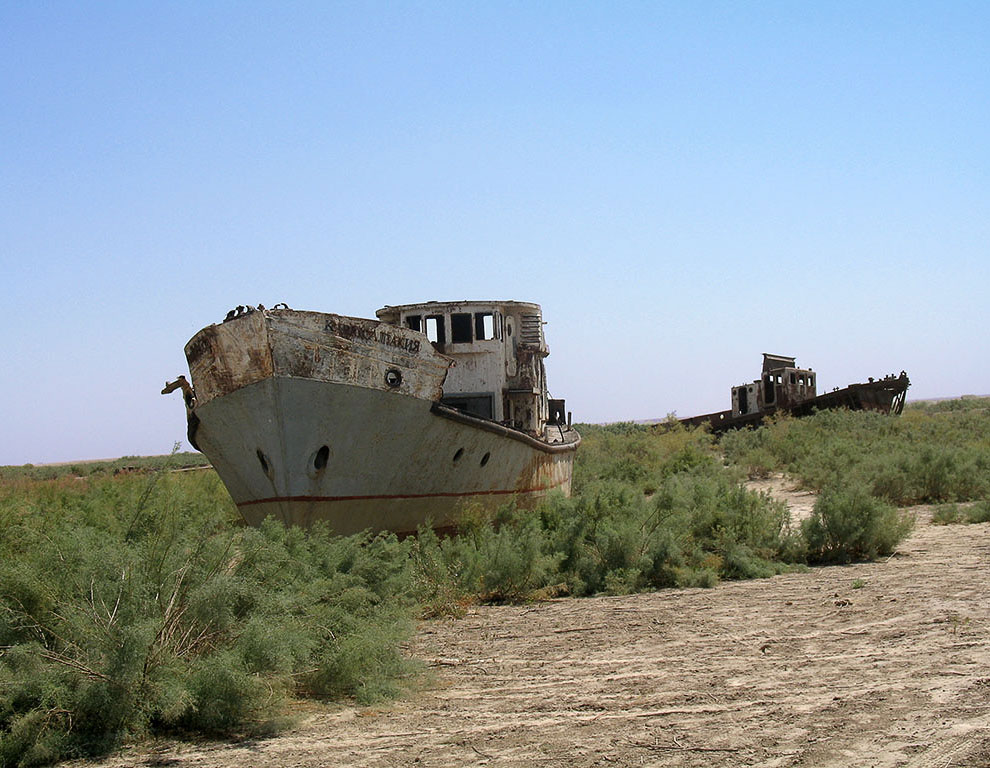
948	514
124	465
131	606
638	454
927	455
137	604
653	509
848	524
436	584
979	512
952	405
500	557
697	526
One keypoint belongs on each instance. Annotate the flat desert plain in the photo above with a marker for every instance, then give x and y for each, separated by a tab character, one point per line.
875	664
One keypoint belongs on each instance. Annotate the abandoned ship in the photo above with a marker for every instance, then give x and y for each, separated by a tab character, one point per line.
384	424
783	387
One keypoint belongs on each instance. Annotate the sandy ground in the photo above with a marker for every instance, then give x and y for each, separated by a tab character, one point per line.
881	664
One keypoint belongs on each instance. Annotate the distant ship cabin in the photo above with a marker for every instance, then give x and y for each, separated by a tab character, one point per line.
782	385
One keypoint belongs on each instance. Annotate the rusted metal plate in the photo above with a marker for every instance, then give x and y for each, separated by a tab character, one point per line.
224	358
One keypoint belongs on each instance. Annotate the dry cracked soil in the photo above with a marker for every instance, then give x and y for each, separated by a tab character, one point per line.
876	664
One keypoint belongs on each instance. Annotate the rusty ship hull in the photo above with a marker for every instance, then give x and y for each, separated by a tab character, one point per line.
312	417
784	388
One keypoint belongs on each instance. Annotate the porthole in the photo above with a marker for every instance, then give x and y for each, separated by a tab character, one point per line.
485	458
321	458
265	467
393	377
457	456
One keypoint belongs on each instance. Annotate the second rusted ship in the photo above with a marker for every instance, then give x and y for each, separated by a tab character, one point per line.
386	424
785	388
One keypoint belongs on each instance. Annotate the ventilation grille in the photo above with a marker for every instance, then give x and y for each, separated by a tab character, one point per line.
532	330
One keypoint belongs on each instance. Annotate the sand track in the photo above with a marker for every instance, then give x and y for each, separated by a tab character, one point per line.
880	664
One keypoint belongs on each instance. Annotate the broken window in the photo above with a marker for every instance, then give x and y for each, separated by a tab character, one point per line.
412	322
484	326
793	379
435	330
474	405
460	328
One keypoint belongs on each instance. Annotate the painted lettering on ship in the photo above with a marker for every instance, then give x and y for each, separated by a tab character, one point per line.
364	333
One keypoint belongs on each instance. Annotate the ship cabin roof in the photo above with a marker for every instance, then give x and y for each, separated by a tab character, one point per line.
390	314
453	325
776	362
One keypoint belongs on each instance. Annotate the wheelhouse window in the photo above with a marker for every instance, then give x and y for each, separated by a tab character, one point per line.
460	328
413	322
484	326
435	330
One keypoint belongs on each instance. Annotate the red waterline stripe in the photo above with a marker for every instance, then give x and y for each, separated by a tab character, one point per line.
276	499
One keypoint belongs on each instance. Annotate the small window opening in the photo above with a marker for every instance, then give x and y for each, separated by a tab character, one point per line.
322	455
457	456
460	328
435	330
412	322
485	458
793	379
484	326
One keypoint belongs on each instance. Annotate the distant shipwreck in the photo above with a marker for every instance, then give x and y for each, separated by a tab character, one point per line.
386	424
784	388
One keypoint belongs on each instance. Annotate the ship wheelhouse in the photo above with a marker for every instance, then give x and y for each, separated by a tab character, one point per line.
782	385
497	349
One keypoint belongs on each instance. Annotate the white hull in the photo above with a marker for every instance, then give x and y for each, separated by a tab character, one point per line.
300	441
390	464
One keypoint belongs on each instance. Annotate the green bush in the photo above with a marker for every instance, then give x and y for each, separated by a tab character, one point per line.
131	606
654	509
501	557
931	454
979	512
849	524
947	514
134	605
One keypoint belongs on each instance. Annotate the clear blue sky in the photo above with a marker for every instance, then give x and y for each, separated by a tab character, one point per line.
681	185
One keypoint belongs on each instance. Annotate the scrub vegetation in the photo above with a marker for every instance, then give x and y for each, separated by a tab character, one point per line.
124	465
137	604
933	453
